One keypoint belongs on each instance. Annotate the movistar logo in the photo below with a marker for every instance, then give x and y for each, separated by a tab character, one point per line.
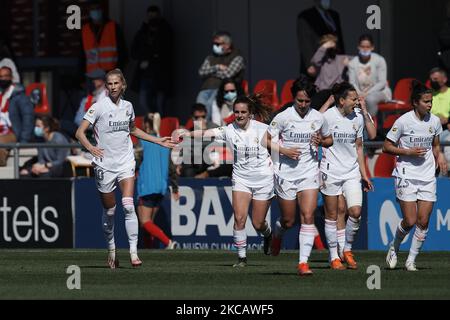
389	219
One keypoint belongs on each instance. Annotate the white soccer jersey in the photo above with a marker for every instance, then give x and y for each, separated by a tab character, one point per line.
252	164
340	161
293	131
111	124
410	132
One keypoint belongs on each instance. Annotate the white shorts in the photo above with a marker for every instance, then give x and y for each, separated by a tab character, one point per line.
106	180
413	190
288	190
258	193
350	188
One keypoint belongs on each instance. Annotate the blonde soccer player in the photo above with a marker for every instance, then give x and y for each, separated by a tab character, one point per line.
414	139
113	158
252	179
342	170
294	136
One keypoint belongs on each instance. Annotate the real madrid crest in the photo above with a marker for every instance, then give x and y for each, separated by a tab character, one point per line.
430	129
256	140
313	126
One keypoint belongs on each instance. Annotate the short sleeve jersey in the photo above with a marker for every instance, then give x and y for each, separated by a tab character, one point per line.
410	132
111	125
293	131
252	164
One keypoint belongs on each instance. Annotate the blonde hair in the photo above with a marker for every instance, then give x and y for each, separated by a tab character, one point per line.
118	72
328	37
154	121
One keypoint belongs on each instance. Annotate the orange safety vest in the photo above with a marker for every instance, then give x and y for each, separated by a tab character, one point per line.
101	55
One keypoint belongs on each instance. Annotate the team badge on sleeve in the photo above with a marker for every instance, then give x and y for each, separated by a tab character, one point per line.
91	111
273	124
394	129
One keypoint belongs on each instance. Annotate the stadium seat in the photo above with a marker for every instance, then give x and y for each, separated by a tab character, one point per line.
168	125
229	119
245	86
268	89
399	105
37	92
286	95
189	124
384	166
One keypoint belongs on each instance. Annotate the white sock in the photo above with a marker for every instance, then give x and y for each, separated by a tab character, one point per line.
131	223
341	241
351	229
279	230
240	242
400	234
331	234
418	239
108	226
266	230
306	241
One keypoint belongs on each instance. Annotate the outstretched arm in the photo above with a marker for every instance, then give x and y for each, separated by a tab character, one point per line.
138	133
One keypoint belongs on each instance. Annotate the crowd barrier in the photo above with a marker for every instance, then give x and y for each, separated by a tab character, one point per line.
66	213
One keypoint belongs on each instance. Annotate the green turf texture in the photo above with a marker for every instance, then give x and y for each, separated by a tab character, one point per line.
182	274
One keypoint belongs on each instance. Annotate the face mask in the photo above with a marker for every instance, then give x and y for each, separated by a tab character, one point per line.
325	4
4	84
435	85
217	49
364	53
39	132
96	15
230	96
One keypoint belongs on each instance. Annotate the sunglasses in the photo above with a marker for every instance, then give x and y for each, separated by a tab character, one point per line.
226	91
219	43
199	117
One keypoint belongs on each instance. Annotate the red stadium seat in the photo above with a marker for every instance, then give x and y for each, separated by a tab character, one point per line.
286	95
268	89
37	92
384	166
189	124
168	125
245	86
139	122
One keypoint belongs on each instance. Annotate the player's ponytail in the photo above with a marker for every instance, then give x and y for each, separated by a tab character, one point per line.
256	106
418	89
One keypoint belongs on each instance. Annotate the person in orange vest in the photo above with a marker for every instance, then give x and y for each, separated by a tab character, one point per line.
103	41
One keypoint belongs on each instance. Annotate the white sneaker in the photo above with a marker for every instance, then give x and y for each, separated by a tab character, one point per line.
112	261
391	258
411	266
172	245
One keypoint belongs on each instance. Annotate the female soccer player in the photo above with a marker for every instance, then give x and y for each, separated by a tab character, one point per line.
342	169
294	136
414	139
252	170
113	122
342	206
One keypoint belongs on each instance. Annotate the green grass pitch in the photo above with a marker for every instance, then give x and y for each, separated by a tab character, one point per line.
182	274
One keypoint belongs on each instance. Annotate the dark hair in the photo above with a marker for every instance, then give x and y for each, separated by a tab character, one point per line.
341	90
418	89
199	107
219	98
367	37
303	84
225	35
153	9
437	69
49	122
256	106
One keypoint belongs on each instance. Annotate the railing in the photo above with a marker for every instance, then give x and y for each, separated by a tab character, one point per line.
17	146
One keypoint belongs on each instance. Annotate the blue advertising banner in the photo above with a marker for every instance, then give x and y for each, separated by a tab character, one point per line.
384	215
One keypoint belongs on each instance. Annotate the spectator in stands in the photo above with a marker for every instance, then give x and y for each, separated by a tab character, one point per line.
194	164
368	74
6	60
152	48
155	173
222	107
441	104
16	113
49	160
103	41
96	92
312	24
331	68
225	62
